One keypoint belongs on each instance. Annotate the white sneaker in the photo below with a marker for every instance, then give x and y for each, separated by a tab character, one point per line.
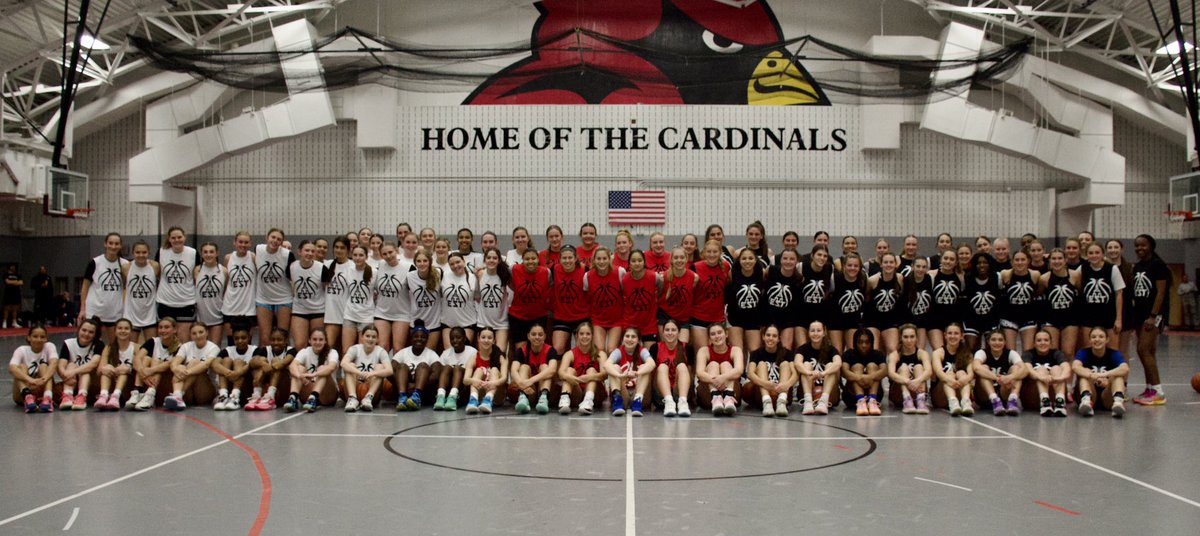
682	408
808	408
564	404
718	405
822	408
781	407
220	403
587	406
366	405
147	401
1118	408
669	409
351	405
768	408
731	405
955	409
232	403
132	403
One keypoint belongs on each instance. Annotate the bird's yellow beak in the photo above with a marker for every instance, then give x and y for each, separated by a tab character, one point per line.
777	81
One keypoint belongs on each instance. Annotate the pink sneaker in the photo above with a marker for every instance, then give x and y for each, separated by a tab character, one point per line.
266	404
101	403
114	403
873	407
80	403
66	402
908	407
252	404
731	405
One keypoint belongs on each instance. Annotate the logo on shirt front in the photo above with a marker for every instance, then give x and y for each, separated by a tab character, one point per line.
1097	291
141	287
921	302
712	287
175	272
358	292
530	293
337	285
982	302
779	295
640	300
491	296
814	291
569	291
851	301
388	285
305	287
457	296
1141	285
423	297
110	280
945	292
1020	292
747	296
210	286
270	272
606	295
240	275
885	300
1061	297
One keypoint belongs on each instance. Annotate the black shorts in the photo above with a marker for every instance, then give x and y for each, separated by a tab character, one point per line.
1104	316
567	325
662	317
1018	325
138	328
186	313
739	318
925	321
841	322
976	325
697	323
308	316
882	321
851	361
241	322
518	330
653	337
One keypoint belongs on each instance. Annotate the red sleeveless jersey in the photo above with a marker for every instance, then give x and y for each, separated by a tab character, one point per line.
536	359
568	301
618	262
585	255
531	293
658	263
676	299
548	258
708	303
714	357
604	297
581	361
641	306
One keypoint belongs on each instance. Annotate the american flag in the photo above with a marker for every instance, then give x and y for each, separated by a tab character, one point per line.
637	207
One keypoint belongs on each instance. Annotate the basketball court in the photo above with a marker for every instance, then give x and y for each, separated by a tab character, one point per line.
430	472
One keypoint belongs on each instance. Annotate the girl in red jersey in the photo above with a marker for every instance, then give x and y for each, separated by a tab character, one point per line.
534	366
531	297
708	303
568	300
623	246
719	366
639	288
629	367
587	244
603	286
658	259
486	373
549	257
771	373
581	371
675	302
673	359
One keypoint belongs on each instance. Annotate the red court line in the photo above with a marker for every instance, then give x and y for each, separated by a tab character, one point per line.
1056	508
264	501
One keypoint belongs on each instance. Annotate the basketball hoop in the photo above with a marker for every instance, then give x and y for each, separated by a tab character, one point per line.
81	213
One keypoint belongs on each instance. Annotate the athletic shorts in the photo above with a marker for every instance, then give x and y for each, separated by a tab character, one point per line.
567	325
661	318
309	316
1022	326
697	323
518	329
186	313
359	326
274	308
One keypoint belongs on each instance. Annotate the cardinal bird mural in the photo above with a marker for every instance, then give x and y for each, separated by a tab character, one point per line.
654	52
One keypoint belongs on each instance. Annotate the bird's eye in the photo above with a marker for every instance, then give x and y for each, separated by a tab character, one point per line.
720	44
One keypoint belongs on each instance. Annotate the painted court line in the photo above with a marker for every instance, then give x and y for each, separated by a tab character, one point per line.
70	522
865	417
139	472
641	438
630	503
1190	403
1122	476
1057	508
941	483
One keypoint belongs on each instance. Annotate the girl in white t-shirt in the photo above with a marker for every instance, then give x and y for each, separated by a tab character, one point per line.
454	359
190	371
231	367
312	371
77	362
365	366
417	363
116	366
32	370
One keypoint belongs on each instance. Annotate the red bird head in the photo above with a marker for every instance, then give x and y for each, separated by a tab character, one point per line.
653	52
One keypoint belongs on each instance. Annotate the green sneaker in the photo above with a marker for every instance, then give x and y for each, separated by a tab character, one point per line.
439	403
543	405
452	402
522	406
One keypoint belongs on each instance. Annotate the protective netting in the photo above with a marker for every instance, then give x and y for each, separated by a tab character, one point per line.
353	57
